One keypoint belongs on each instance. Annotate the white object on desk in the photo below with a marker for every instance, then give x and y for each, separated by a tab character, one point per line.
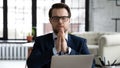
108	67
30	44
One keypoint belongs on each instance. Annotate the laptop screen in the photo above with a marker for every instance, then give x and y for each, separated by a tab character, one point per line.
72	61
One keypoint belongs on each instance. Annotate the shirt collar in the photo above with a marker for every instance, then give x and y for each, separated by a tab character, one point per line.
55	36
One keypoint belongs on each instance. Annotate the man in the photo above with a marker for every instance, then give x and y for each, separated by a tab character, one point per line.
58	42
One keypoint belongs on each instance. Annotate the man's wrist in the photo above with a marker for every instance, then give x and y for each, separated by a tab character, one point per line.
67	51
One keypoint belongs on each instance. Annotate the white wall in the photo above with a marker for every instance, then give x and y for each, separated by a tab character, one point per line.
101	14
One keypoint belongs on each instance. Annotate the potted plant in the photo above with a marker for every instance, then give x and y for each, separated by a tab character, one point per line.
29	37
33	32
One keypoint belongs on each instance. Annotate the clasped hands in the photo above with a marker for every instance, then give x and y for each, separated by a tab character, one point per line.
61	43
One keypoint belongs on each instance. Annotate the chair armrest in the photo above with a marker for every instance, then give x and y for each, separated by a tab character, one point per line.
108	40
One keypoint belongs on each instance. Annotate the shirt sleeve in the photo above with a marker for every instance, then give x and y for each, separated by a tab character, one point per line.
55	51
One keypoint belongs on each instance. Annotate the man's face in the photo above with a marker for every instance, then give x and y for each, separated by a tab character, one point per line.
60	20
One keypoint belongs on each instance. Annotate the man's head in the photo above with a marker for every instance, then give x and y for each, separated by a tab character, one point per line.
59	16
58	6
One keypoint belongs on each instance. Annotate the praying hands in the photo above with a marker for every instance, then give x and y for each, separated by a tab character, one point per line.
61	44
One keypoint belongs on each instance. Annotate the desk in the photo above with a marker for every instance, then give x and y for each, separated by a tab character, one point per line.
30	44
115	67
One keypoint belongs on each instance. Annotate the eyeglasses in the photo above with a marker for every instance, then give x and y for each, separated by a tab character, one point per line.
57	18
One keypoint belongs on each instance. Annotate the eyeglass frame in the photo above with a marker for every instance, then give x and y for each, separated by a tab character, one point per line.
57	18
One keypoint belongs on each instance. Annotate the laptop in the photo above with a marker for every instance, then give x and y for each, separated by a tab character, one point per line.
72	61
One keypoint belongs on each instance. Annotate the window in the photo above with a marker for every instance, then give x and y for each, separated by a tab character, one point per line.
43	7
1	18
77	19
78	15
19	18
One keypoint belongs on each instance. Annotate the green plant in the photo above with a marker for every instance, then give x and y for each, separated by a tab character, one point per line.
29	34
33	31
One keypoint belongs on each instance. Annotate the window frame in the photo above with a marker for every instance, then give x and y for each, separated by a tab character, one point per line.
34	18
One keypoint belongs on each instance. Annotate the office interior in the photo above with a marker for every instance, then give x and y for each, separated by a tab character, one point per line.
22	18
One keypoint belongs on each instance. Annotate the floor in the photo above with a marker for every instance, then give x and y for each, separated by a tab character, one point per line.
17	64
12	63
